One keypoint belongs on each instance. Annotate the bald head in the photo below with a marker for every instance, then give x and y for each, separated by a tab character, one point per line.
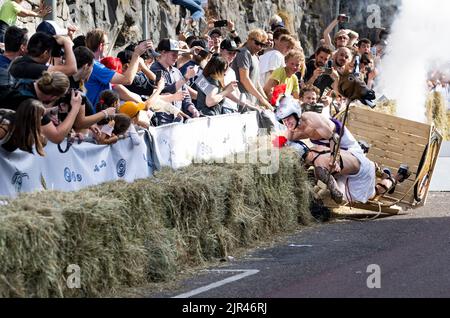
343	56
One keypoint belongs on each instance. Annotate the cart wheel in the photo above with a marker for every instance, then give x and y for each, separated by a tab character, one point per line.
425	169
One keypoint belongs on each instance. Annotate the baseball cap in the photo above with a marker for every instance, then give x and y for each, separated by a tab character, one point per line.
170	45
201	43
277	25
51	27
131	108
215	31
229	45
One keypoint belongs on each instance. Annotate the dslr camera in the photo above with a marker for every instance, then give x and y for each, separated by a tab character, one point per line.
64	105
328	69
317	107
57	50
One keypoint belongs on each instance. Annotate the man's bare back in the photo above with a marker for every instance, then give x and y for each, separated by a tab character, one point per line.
313	126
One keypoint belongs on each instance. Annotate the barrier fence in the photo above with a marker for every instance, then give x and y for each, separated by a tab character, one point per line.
87	164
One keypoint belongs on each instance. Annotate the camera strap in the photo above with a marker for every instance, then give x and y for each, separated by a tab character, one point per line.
68	145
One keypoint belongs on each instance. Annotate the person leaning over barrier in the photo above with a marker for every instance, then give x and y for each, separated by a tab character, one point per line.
21	129
246	67
102	77
228	50
39	54
211	88
47	89
174	81
295	62
87	115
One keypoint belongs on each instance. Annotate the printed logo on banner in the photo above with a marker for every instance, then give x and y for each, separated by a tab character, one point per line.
98	167
17	180
121	168
70	176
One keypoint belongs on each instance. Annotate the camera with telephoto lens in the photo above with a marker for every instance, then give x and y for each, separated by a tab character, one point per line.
64	105
317	107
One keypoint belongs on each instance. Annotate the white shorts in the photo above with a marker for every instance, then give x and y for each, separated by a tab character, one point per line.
359	187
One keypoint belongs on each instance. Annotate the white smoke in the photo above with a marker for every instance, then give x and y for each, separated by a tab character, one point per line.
419	42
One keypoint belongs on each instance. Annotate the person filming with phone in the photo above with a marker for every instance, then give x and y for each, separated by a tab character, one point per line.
246	67
316	66
343	37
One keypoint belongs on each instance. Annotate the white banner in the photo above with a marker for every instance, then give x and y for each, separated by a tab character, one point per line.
19	172
87	164
178	145
83	165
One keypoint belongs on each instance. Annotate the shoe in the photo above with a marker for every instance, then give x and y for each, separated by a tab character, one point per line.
403	173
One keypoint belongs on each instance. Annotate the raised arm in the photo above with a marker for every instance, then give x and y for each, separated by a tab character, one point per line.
328	30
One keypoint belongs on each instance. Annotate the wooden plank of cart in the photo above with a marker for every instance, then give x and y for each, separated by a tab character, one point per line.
395	141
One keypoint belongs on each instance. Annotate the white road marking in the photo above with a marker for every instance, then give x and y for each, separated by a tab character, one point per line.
304	245
246	272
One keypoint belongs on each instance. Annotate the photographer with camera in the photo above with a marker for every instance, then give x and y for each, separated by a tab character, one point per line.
102	78
87	115
40	48
316	66
326	77
47	89
309	100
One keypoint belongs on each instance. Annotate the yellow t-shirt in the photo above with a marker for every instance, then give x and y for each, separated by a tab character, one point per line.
291	82
9	11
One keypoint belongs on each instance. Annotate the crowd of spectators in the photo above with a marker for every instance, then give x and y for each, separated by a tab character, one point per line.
57	83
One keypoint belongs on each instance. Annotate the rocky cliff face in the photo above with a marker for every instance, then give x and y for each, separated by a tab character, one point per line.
308	18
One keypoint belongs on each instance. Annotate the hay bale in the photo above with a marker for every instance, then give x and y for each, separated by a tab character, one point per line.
436	112
448	130
125	235
387	107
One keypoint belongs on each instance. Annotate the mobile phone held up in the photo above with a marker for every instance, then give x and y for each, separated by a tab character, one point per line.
220	23
343	18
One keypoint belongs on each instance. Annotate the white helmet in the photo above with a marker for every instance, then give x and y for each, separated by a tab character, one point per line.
288	106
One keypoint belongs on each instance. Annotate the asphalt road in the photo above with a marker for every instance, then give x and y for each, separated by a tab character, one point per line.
333	259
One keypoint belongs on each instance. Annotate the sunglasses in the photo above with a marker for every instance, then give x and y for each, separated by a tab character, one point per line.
259	43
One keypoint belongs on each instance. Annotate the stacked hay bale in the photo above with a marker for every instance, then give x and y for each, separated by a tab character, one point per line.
436	112
123	234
